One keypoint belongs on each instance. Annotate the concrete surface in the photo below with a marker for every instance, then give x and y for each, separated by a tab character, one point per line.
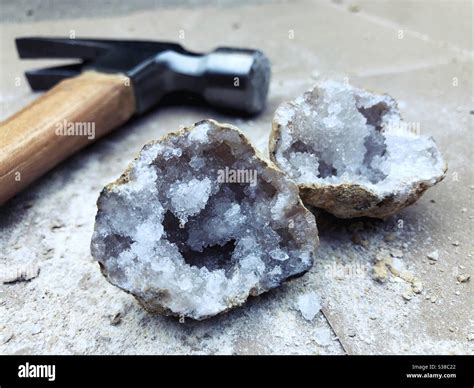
420	52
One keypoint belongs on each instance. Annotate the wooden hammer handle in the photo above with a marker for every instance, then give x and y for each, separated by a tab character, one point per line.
67	118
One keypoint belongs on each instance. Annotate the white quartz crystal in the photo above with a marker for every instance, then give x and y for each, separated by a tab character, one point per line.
186	244
336	138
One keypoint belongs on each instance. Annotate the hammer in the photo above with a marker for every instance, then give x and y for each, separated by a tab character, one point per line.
116	80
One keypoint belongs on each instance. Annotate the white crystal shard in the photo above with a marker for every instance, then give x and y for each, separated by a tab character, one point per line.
309	305
185	243
350	152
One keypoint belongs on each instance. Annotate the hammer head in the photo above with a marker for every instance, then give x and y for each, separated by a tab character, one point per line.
230	78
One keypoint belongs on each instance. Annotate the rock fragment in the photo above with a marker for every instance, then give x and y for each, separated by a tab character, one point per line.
116	319
463	278
36	329
417	286
309	305
407	294
396	253
199	222
434	256
323	336
379	272
20	274
350	152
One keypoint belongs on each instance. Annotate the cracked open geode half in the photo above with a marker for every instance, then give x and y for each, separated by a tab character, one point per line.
198	222
350	152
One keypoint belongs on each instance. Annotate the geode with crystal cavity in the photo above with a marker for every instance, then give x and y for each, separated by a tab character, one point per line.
199	221
350	152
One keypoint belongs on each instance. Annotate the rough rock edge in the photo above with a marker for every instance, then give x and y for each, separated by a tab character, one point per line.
351	200
125	178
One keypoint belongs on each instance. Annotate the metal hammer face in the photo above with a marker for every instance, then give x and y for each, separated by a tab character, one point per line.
230	78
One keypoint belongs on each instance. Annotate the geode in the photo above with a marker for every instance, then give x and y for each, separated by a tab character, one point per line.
351	153
199	221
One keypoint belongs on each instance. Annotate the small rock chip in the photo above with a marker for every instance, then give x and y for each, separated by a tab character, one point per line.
20	274
382	256
463	278
396	253
322	336
455	243
470	337
308	305
417	286
57	224
434	256
116	319
36	329
379	271
407	295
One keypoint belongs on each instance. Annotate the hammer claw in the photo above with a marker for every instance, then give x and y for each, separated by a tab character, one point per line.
46	78
37	47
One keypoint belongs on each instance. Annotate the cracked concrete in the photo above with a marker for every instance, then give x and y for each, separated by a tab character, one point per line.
69	308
